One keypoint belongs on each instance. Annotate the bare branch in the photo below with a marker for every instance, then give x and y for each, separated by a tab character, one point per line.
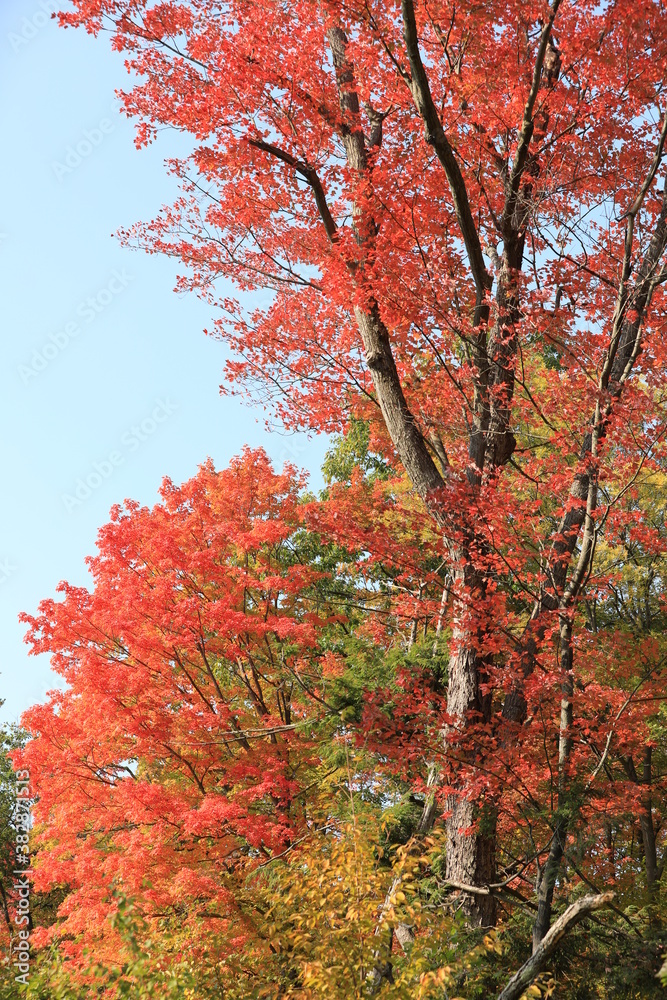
435	137
529	971
309	174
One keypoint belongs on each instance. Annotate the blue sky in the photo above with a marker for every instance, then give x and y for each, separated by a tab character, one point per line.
109	382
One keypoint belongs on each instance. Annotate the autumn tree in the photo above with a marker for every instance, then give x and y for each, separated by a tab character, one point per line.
459	214
200	793
198	634
235	791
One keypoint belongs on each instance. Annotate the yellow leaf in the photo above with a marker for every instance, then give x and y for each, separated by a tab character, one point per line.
532	991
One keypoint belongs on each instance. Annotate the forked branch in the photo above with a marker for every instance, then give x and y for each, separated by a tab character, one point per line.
529	971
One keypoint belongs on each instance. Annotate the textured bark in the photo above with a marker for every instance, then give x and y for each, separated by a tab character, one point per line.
471	860
400	422
491	442
435	136
647	827
548	882
405	435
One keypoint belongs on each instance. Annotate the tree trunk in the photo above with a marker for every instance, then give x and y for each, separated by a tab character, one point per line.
550	874
471	857
646	823
646	817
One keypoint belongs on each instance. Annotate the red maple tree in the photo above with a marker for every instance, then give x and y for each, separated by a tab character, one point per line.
459	212
192	644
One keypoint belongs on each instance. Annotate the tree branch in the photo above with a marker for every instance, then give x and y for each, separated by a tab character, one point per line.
528	124
529	971
399	419
309	174
435	137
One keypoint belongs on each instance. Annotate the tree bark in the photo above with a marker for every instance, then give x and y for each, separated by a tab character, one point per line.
547	882
471	860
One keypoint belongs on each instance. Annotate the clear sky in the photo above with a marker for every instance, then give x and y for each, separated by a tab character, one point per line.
94	341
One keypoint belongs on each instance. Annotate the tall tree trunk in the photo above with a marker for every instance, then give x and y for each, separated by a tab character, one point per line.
647	827
466	852
471	859
646	817
547	882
